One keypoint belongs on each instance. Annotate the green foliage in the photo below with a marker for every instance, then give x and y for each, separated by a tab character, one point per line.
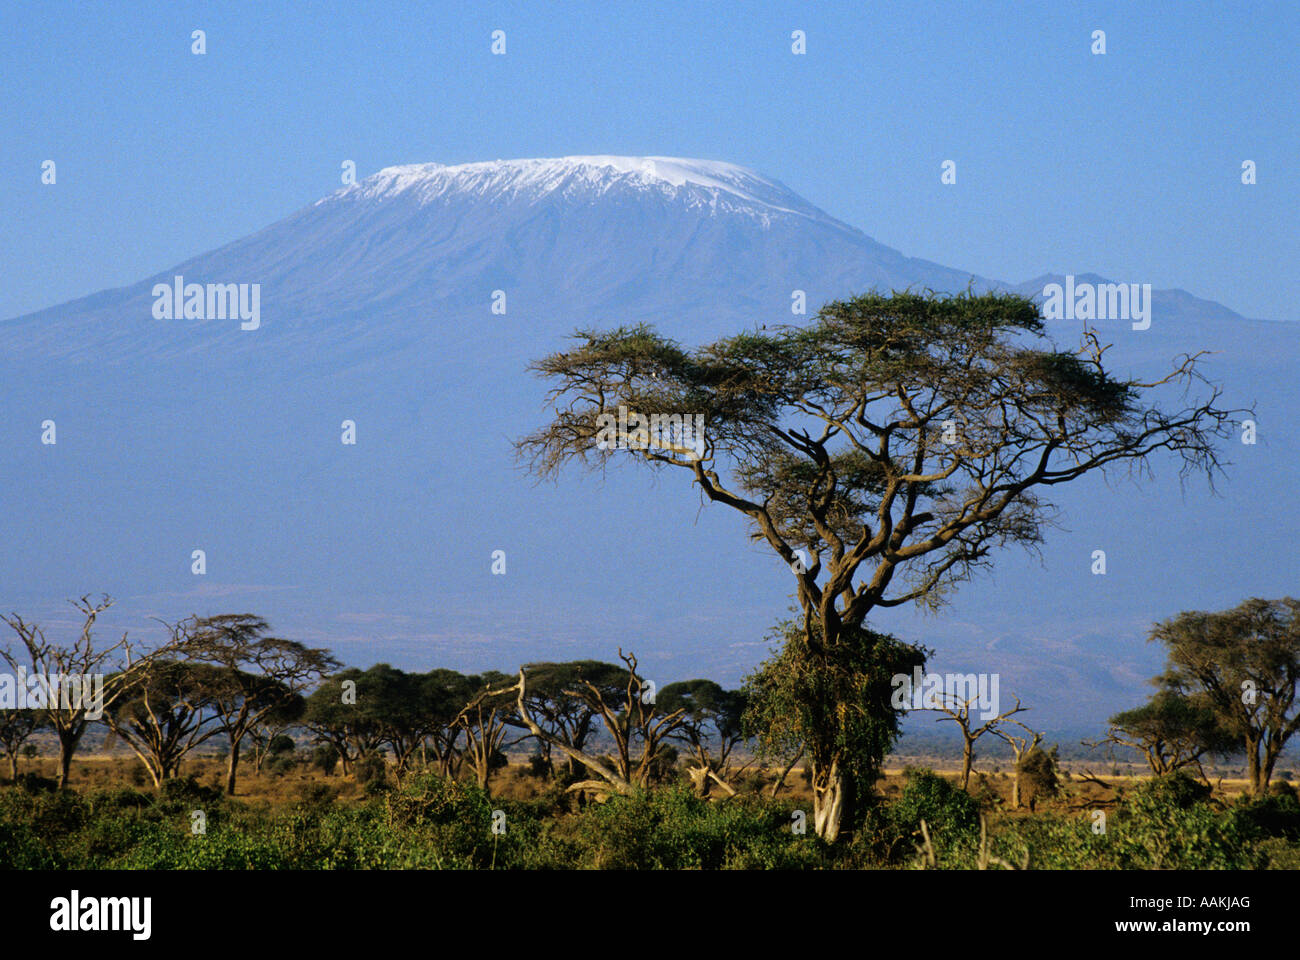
1175	790
188	791
1174	727
836	701
35	783
672	829
540	766
370	768
1275	815
951	815
430	822
279	766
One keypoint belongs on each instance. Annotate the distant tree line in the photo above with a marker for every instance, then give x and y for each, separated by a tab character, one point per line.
228	678
1230	686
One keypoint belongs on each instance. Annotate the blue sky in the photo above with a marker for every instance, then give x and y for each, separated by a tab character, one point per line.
1126	164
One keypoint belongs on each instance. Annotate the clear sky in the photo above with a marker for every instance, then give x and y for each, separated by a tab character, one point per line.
1127	164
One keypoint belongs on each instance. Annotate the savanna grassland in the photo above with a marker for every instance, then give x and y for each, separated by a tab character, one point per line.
291	815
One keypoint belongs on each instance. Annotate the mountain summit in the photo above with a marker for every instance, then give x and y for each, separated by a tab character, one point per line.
566	240
700	247
719	188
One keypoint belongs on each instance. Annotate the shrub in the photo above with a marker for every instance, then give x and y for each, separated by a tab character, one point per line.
1153	832
1036	774
950	814
187	791
539	766
123	798
1176	790
317	794
673	829
35	783
278	766
1275	815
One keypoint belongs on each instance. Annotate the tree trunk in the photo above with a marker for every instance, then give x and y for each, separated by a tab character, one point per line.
833	801
13	766
1270	759
1252	766
967	758
231	767
65	763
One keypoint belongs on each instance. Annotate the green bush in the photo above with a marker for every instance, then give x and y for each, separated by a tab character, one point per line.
279	765
672	829
34	783
1176	790
1275	815
951	815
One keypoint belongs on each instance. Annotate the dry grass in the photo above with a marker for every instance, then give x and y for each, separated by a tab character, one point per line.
515	782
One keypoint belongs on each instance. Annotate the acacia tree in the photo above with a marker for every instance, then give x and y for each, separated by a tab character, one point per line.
1246	663
267	739
564	715
165	713
385	705
711	726
632	719
346	712
882	451
444	692
260	675
90	676
484	721
1171	731
795	703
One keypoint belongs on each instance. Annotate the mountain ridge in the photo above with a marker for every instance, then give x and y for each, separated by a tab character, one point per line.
592	179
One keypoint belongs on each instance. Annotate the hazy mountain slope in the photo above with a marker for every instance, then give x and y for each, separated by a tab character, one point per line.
175	435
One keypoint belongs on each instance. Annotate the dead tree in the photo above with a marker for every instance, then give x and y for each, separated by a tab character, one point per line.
958	711
64	671
1021	746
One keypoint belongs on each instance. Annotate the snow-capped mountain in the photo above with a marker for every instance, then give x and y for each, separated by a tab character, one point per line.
411	303
647	237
